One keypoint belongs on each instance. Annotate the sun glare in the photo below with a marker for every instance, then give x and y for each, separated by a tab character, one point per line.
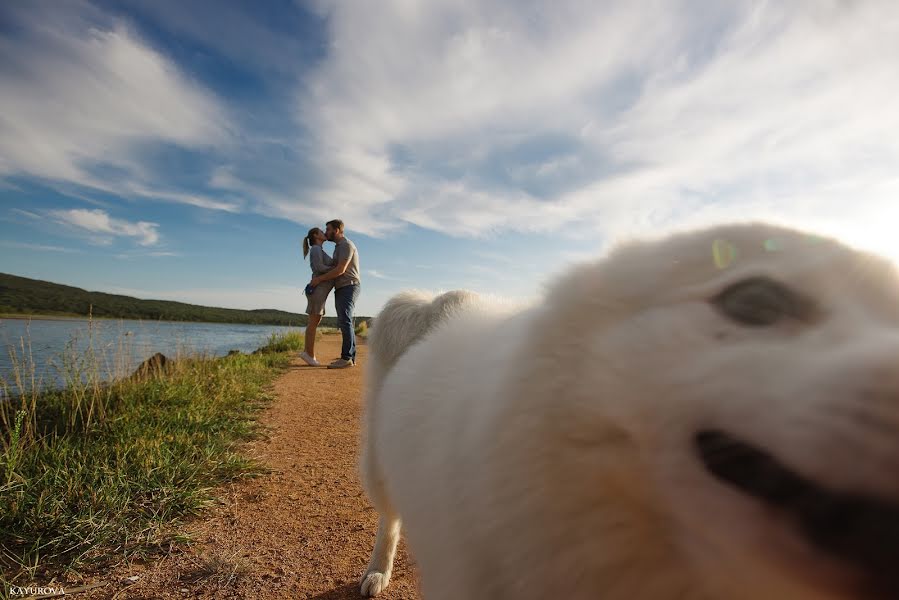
873	229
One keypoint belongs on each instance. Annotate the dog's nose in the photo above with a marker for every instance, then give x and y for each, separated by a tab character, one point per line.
854	528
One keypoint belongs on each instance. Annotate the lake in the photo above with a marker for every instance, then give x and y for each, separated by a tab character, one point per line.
119	345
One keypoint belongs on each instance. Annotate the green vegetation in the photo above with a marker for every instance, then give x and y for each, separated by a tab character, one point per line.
102	471
362	329
23	296
294	341
284	342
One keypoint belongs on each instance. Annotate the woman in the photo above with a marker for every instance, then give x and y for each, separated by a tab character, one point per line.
321	263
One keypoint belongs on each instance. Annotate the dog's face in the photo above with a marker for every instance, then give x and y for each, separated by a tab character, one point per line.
752	376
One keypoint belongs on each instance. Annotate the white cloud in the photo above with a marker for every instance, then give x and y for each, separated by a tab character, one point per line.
83	95
26	213
98	221
693	113
154	254
471	118
379	275
198	200
38	247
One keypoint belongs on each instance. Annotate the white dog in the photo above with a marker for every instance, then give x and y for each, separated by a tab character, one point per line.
715	415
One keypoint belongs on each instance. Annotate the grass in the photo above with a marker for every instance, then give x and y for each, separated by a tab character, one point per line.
218	571
286	342
99	472
362	329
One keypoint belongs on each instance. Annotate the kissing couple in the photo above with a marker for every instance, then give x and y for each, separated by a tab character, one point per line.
339	272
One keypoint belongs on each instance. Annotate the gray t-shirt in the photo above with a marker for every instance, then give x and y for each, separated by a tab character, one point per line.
346	250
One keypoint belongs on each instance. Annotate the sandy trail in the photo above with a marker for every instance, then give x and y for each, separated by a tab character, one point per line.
303	531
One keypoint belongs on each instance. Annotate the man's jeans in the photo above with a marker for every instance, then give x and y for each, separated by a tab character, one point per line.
344	301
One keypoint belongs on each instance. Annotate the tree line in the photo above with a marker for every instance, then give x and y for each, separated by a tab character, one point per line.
20	295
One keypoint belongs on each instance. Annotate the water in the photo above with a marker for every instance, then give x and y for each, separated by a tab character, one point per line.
119	345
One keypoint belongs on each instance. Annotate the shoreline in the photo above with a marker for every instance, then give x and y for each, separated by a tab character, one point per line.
29	317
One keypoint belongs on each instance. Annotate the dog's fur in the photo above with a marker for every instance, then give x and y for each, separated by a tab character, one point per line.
547	453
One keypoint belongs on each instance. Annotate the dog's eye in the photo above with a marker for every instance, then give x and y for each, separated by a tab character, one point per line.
760	301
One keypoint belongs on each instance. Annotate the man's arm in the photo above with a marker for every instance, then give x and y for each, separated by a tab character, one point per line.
334	273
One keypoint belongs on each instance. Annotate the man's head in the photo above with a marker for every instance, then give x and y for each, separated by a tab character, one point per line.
334	230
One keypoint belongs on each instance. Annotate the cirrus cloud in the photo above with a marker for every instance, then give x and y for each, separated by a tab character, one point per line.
469	118
98	221
84	96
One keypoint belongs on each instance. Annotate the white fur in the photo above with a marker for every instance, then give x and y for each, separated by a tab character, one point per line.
547	453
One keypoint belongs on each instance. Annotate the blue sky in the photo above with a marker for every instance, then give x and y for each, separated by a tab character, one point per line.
180	150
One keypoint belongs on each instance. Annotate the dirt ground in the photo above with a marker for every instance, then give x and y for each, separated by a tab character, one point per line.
303	531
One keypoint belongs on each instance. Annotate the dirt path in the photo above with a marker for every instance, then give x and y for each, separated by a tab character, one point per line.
305	530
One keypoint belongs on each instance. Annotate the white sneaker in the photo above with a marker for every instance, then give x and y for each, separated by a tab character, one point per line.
309	360
341	363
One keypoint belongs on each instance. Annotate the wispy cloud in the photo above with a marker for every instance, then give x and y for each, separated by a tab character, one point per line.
98	221
537	117
379	275
470	118
26	213
83	95
39	247
199	200
155	254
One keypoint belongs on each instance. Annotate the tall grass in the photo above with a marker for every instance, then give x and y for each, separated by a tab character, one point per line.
100	471
284	342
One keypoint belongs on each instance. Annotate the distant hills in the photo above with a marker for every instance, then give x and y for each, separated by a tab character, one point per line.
20	295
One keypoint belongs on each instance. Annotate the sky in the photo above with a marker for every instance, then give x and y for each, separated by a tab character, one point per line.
181	150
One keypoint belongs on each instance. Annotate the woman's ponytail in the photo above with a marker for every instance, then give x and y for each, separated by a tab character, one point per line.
309	241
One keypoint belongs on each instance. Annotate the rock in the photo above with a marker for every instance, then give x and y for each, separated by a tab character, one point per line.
233	352
156	364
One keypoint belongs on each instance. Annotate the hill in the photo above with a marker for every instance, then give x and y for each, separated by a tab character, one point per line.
20	295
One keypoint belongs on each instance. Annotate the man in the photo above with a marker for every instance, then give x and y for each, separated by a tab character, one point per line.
347	284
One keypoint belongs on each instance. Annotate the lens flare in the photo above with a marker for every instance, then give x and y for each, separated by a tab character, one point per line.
723	253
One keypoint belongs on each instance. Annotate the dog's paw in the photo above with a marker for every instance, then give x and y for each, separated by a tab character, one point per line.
373	583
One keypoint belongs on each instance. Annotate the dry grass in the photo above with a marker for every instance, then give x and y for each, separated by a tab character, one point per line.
216	570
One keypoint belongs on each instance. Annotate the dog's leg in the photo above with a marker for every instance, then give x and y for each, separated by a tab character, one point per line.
380	567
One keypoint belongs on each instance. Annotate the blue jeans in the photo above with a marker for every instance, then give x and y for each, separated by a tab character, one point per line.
344	302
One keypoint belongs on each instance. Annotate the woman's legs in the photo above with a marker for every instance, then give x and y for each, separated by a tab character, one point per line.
311	328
